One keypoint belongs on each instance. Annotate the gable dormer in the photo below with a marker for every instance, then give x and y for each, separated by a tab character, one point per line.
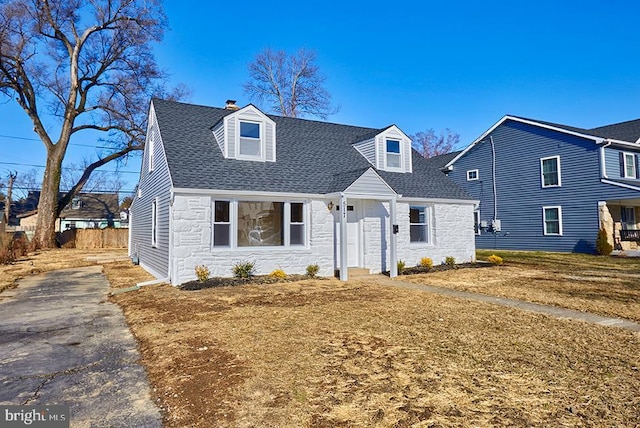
388	149
247	134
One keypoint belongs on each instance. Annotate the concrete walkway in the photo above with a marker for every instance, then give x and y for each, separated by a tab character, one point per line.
62	342
512	303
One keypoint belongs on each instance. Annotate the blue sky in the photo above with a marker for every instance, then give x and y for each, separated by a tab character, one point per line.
459	65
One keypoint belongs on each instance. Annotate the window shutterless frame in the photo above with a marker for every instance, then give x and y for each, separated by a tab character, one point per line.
552	221
472	175
250	140
550	173
393	154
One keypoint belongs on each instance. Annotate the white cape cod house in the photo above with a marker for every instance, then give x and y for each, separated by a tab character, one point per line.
223	185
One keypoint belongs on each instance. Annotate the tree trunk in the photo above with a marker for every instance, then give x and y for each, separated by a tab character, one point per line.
45	236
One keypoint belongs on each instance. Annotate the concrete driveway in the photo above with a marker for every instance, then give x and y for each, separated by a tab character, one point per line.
62	342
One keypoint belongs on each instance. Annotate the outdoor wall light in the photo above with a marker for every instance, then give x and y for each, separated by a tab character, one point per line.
330	206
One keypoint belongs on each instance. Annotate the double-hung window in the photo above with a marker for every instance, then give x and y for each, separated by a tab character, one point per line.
259	224
550	171
394	159
250	139
552	220
629	165
418	224
221	224
628	218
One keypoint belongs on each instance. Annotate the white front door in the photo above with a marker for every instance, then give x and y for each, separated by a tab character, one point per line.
353	237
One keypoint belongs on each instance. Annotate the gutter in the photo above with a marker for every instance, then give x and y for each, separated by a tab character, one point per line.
603	165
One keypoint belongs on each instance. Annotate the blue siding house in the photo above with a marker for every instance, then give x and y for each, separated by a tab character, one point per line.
550	187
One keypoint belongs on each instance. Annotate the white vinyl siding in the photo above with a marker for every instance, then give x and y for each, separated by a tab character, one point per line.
550	171
552	220
151	151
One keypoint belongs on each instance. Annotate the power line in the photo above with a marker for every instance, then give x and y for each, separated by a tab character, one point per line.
69	168
71	144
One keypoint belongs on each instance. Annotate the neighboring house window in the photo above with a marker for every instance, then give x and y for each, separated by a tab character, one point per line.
552	220
250	140
221	224
476	223
628	215
550	170
151	155
296	224
418	224
154	223
393	154
472	174
629	167
76	204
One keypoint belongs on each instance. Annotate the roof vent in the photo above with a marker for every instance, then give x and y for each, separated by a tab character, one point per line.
231	105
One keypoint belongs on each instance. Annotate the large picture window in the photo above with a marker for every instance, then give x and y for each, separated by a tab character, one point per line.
550	169
418	224
259	224
552	220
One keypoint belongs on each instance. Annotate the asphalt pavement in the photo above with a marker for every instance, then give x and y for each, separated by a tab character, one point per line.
63	343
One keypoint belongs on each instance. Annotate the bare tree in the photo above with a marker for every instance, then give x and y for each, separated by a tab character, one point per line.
428	144
292	86
76	66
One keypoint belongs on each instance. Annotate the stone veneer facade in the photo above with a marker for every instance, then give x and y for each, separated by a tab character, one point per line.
451	235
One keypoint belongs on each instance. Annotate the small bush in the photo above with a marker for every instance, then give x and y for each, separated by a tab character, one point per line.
495	260
426	262
401	266
312	270
602	244
278	273
450	261
202	272
13	249
243	269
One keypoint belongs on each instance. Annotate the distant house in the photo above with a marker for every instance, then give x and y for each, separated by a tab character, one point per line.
220	186
545	186
86	211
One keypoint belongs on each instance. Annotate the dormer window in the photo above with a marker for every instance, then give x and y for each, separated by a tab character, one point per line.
250	141
76	203
393	154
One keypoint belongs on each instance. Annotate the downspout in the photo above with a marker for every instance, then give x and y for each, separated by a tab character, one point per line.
138	286
172	197
493	167
603	165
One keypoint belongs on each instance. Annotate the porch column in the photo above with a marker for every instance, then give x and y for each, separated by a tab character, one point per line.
393	269
344	273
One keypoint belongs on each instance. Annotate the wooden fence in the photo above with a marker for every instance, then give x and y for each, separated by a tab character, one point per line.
94	238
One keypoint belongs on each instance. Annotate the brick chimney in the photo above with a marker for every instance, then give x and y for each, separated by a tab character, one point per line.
231	105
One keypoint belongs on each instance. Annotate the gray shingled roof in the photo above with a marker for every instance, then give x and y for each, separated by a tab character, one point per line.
440	161
312	157
624	131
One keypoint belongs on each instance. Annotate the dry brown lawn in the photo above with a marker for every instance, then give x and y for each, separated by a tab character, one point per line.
321	353
607	286
49	260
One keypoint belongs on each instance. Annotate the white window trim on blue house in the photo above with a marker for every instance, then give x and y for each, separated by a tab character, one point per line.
629	166
473	175
544	220
559	172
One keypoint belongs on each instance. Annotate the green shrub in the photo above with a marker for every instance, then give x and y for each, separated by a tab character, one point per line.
426	262
495	260
243	269
202	272
401	266
602	244
278	273
312	270
450	261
